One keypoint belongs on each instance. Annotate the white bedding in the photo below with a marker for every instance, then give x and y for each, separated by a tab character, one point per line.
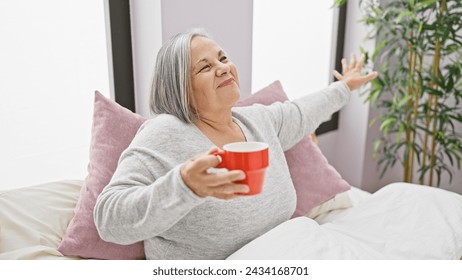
400	221
34	219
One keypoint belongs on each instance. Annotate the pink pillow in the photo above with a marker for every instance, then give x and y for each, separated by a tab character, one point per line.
315	180
113	129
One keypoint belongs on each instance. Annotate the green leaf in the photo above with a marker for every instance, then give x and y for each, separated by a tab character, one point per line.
403	101
377	11
419	30
400	131
338	3
386	124
374	120
376	148
402	15
448	154
374	95
425	3
377	49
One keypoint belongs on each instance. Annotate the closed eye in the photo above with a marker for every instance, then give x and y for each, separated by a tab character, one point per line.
206	67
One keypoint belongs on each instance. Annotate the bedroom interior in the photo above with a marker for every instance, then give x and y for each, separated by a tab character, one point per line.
340	216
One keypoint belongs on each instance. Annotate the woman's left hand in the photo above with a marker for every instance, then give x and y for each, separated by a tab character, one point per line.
352	73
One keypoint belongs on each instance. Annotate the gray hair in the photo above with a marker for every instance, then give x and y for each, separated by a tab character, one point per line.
172	77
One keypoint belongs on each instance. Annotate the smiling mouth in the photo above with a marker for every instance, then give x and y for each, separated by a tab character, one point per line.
226	83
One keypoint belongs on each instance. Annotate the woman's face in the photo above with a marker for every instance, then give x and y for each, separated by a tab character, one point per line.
214	81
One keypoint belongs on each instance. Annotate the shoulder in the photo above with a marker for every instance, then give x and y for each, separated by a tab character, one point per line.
256	116
161	128
260	111
162	122
253	109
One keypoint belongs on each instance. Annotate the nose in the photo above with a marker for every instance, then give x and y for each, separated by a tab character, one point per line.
222	69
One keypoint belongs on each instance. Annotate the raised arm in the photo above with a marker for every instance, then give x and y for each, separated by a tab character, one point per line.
300	117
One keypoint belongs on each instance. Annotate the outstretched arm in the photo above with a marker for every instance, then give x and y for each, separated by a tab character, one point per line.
351	74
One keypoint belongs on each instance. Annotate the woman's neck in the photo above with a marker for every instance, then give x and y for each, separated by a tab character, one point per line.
220	131
217	124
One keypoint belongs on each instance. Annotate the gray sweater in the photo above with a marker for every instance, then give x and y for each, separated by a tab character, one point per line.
148	200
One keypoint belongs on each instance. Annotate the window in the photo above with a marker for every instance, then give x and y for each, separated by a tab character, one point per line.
54	56
296	42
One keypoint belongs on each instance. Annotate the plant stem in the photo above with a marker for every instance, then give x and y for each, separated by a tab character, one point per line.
417	97
428	119
433	146
412	112
436	66
416	93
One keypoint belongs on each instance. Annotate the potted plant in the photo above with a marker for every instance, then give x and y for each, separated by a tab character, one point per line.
418	55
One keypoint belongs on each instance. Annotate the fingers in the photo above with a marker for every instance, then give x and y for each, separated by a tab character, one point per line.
213	150
344	65
360	63
369	77
337	75
352	61
222	185
229	189
225	191
217	179
356	65
352	73
203	162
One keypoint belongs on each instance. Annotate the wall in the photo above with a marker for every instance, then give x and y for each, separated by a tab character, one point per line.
228	22
146	42
154	21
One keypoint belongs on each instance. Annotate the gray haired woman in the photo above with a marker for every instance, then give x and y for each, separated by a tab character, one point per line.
162	192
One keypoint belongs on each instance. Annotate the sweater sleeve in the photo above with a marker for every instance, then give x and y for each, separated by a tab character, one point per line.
297	118
136	206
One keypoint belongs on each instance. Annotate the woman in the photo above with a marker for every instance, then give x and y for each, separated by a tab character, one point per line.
161	192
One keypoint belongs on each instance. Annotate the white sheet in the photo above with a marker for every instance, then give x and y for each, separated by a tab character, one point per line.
33	220
400	221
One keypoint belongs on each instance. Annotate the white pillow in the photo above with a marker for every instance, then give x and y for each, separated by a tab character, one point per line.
35	218
338	206
339	202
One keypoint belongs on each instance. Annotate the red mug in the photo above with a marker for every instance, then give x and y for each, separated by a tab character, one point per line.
250	157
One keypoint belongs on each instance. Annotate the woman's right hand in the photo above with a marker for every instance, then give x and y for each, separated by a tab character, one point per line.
220	185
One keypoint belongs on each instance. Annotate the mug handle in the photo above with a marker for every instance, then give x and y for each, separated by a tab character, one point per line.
220	154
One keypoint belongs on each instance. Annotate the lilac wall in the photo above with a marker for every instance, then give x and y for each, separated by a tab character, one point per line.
146	42
228	22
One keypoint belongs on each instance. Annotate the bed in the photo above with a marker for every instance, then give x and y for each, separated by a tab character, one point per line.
333	220
34	219
401	221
